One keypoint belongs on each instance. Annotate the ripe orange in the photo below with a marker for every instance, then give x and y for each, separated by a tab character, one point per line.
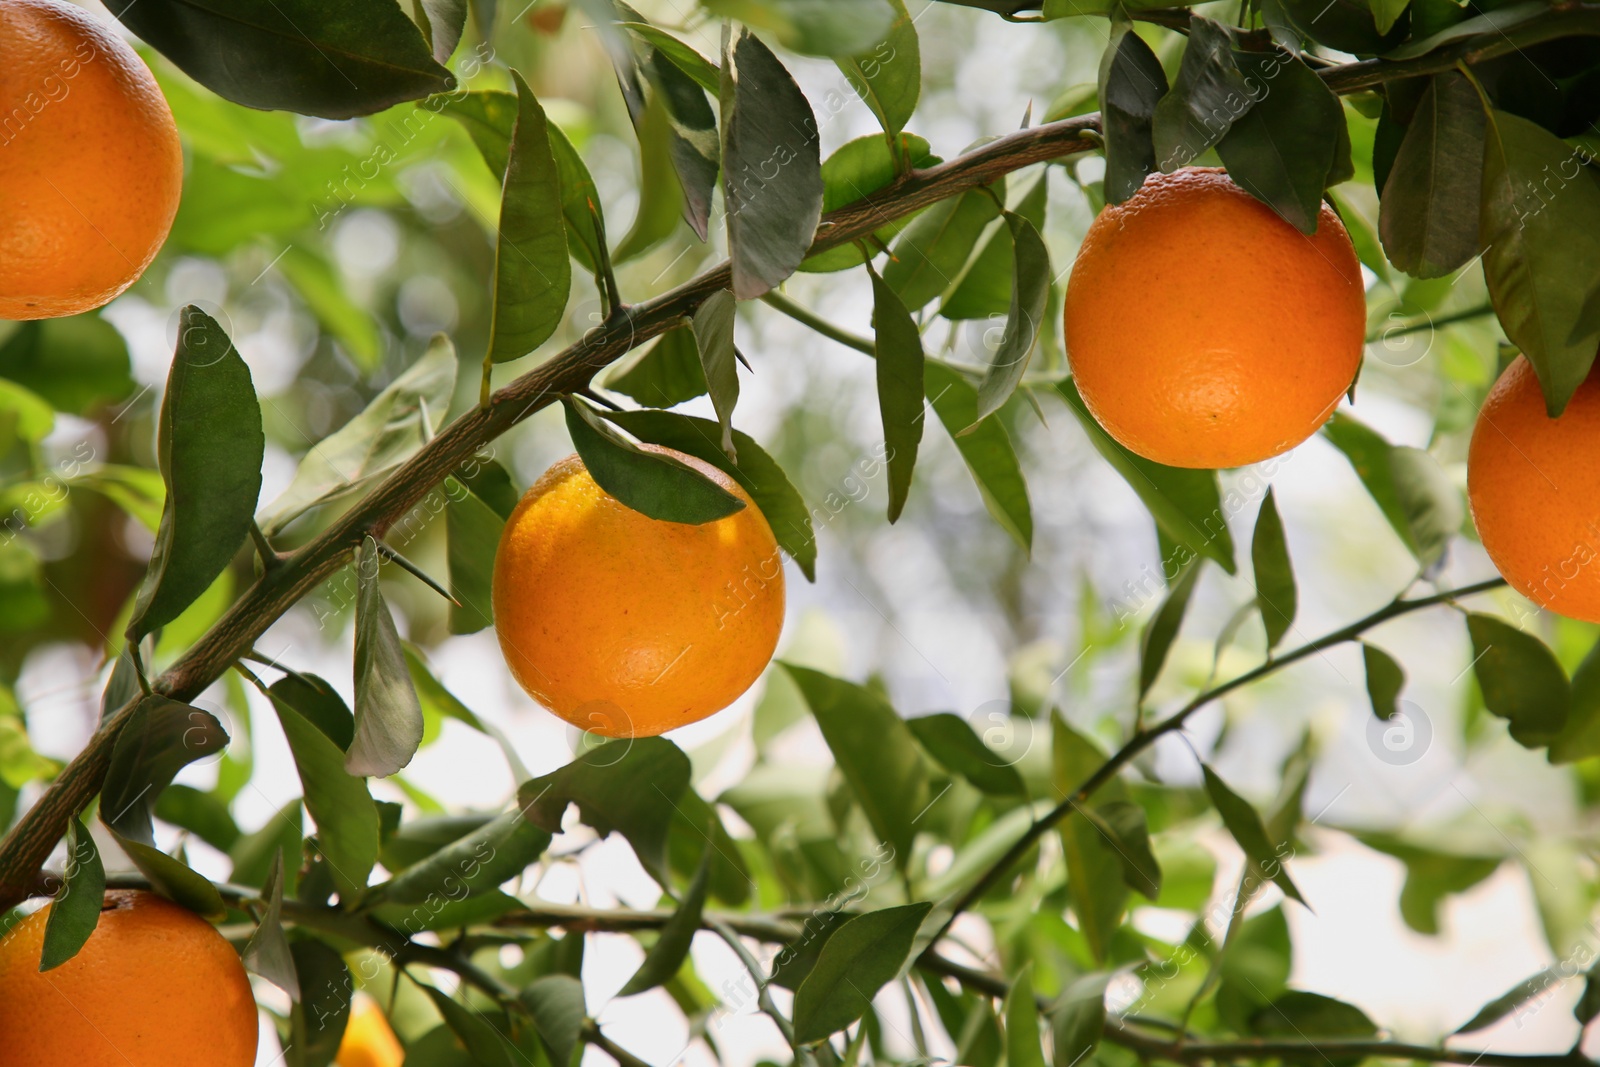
154	986
90	165
368	1040
1205	331
629	626
1533	483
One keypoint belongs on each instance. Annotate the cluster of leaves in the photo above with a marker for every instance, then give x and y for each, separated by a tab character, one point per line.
856	875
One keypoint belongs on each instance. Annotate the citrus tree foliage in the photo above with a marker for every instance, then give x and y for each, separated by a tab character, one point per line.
1455	141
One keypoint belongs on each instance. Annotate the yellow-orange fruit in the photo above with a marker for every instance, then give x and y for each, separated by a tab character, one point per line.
629	626
1534	486
154	986
90	164
368	1039
1205	331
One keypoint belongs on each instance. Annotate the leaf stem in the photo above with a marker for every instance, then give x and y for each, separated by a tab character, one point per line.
806	317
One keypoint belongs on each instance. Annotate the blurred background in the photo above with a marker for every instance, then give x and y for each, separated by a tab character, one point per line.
332	252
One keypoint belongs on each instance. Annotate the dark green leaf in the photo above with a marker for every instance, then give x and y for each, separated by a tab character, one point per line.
1348	25
1095	875
1209	95
696	827
1186	504
1131	84
1493	23
473	864
319	703
1540	229
482	1039
532	275
1428	214
797	959
889	77
661	375
855	170
209	449
75	911
267	953
862	956
333	60
203	814
476	508
1122	825
400	419
650	482
1244	823
1521	680
986	288
1078	1018
1254	967
417	839
771	175
555	1002
713	338
1023	1048
626	786
317	1022
346	818
900	388
1588	1005
1302	1015
928	258
874	750
1162	629
702	70
756	471
987	451
951	741
666	956
253	853
1510	1001
388	716
1385	680
75	363
1269	557
1030	293
1580	737
1283	150
160	738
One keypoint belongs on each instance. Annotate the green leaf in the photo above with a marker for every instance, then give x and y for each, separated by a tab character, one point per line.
900	387
1580	737
1122	825
317	281
1094	870
1430	877
1162	629
661	375
1347	25
952	742
75	363
482	1039
1421	503
205	815
987	286
1521	680
858	169
624	786
319	703
702	70
697	827
1023	1048
1078	1018
1244	824
1540	227
209	449
317	1022
815	27
75	911
333	60
1428	213
267	953
253	853
397	422
986	448
1132	83
1030	293
862	956
713	338
1310	1016
786	513
648	481
555	1002
532	275
928	257
346	818
889	77
475	863
388	715
1208	97
442	23
476	508
1492	23
1510	1001
1254	966
1283	150
1186	504
1269	558
667	955
767	126
1385	680
875	751
798	958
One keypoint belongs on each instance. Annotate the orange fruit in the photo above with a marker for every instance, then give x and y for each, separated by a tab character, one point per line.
1534	486
1205	331
629	626
368	1039
90	165
154	986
